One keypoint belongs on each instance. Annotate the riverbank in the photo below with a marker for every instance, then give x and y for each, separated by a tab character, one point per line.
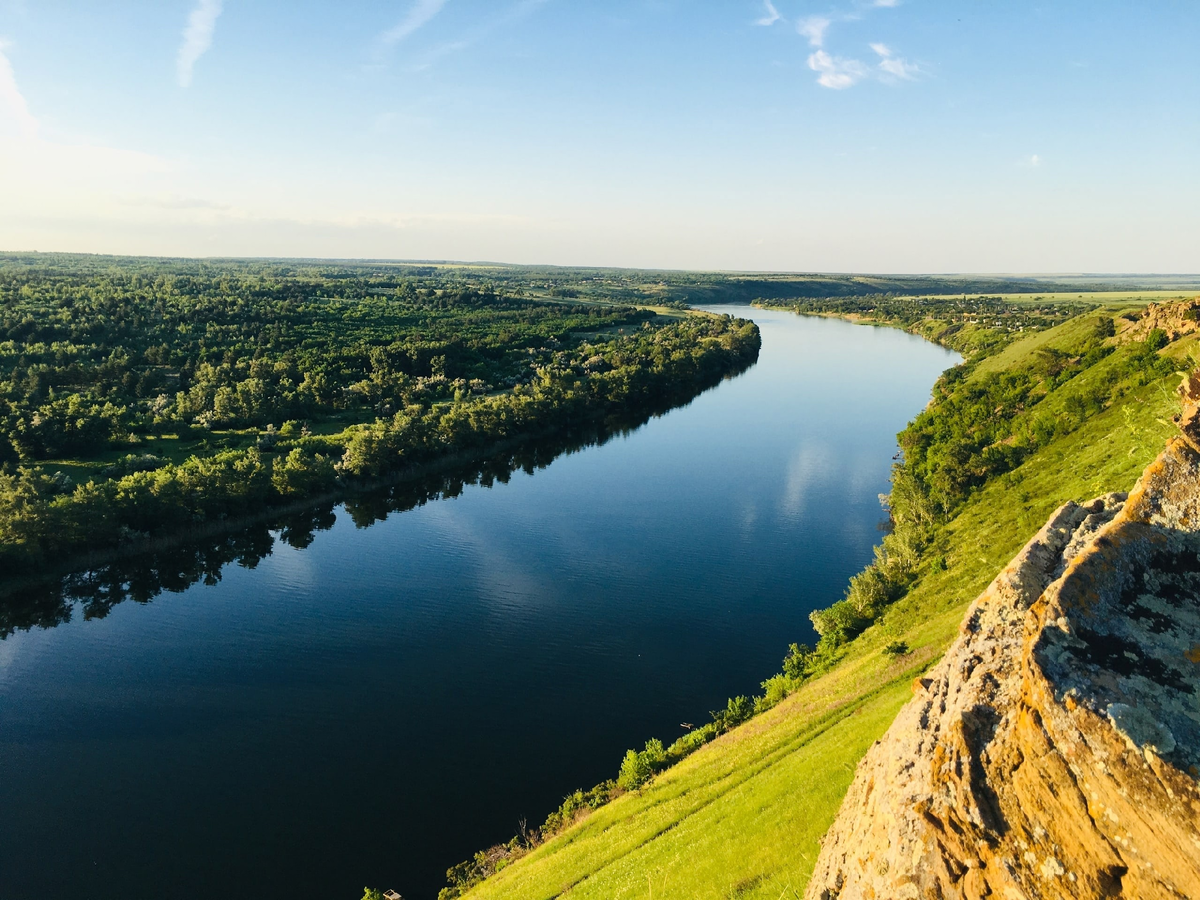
44	523
742	816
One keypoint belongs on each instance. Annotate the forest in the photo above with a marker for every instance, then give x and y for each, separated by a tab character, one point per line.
141	398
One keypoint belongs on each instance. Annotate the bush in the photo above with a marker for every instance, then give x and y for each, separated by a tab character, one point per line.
298	474
737	710
574	806
639	766
795	664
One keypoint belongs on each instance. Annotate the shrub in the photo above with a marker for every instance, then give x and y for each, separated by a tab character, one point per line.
574	806
795	664
299	474
638	766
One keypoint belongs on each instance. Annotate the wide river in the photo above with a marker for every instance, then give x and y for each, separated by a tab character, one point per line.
376	707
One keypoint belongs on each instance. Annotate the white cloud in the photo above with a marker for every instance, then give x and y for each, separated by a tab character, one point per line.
886	3
813	28
836	72
1033	161
418	14
197	38
893	67
15	117
772	15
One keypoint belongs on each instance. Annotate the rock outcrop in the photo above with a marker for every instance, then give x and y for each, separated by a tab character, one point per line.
1055	750
1173	319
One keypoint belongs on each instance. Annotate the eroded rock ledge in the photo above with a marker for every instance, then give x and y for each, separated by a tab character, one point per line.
1055	750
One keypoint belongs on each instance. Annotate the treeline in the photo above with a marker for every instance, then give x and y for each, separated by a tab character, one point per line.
972	325
141	577
94	356
45	518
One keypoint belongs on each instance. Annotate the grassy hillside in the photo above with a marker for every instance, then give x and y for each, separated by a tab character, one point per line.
742	816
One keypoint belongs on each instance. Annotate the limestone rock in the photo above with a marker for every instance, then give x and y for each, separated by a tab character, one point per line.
1055	751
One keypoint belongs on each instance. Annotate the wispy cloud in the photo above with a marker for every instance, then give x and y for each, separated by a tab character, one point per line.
197	38
813	29
772	14
894	67
418	15
841	72
836	72
15	117
482	27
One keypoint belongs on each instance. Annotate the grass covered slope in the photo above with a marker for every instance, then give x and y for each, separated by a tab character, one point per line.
742	816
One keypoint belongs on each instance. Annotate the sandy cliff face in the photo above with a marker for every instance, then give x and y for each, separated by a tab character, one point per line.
1055	751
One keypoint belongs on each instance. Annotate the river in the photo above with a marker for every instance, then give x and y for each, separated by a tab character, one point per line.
375	707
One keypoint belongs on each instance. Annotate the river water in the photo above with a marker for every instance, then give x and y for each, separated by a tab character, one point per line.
377	706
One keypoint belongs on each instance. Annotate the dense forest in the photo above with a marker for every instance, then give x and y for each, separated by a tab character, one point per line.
142	398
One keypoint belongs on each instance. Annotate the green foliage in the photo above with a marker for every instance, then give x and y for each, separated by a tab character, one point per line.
795	664
302	474
1156	340
576	805
372	894
974	326
395	368
639	765
982	425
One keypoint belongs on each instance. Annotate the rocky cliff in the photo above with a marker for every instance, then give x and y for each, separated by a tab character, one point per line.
1055	750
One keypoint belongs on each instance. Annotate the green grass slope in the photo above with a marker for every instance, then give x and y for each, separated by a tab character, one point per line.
742	817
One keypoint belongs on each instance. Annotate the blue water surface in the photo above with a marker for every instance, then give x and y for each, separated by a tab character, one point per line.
378	706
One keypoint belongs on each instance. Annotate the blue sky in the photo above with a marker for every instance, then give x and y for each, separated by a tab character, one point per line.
866	135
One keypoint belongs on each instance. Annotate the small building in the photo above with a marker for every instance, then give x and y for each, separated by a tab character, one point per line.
391	895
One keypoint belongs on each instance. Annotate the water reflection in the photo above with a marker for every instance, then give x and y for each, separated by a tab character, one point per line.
141	578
